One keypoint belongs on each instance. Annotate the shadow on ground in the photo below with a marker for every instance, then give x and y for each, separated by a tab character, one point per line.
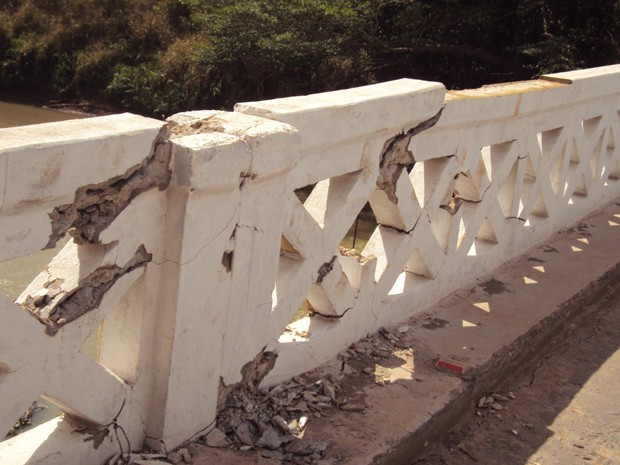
566	408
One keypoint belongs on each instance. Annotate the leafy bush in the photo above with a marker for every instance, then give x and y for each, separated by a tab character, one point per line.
162	56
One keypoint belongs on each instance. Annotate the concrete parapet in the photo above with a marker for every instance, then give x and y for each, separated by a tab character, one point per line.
207	253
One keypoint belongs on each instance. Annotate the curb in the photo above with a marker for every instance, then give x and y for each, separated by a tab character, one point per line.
504	365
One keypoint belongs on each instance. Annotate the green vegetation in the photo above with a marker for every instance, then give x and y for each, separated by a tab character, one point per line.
158	57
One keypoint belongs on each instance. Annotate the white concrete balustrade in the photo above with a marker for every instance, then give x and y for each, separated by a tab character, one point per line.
191	250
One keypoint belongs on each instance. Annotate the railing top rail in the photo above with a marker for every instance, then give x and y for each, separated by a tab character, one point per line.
347	114
71	131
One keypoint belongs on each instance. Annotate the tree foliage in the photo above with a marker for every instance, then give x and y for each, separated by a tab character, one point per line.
163	56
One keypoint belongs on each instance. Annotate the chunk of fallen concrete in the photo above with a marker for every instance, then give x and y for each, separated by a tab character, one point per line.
270	439
244	435
185	455
217	438
280	423
174	458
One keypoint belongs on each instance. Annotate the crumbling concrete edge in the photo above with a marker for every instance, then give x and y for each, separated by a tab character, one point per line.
502	366
96	206
252	373
396	156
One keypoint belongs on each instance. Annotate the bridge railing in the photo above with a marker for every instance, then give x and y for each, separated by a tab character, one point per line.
221	246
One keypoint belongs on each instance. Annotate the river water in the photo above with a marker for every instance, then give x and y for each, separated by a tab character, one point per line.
15	114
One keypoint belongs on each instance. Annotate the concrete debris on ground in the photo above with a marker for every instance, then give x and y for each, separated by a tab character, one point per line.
436	364
492	403
273	421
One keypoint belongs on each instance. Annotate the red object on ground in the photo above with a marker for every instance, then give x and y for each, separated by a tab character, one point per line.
451	365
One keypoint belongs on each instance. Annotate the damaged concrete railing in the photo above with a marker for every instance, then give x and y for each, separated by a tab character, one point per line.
207	253
457	186
41	169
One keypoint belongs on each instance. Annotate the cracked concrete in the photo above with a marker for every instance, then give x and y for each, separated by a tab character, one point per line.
227	260
56	308
252	373
324	270
326	133
492	328
403	231
396	155
96	206
457	199
315	313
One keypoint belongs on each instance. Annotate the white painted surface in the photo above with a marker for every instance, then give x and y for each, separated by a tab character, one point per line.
522	160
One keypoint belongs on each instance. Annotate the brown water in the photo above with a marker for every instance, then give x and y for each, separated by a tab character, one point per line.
15	114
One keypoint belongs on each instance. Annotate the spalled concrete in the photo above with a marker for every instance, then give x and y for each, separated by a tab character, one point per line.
56	307
396	156
96	206
490	329
231	257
